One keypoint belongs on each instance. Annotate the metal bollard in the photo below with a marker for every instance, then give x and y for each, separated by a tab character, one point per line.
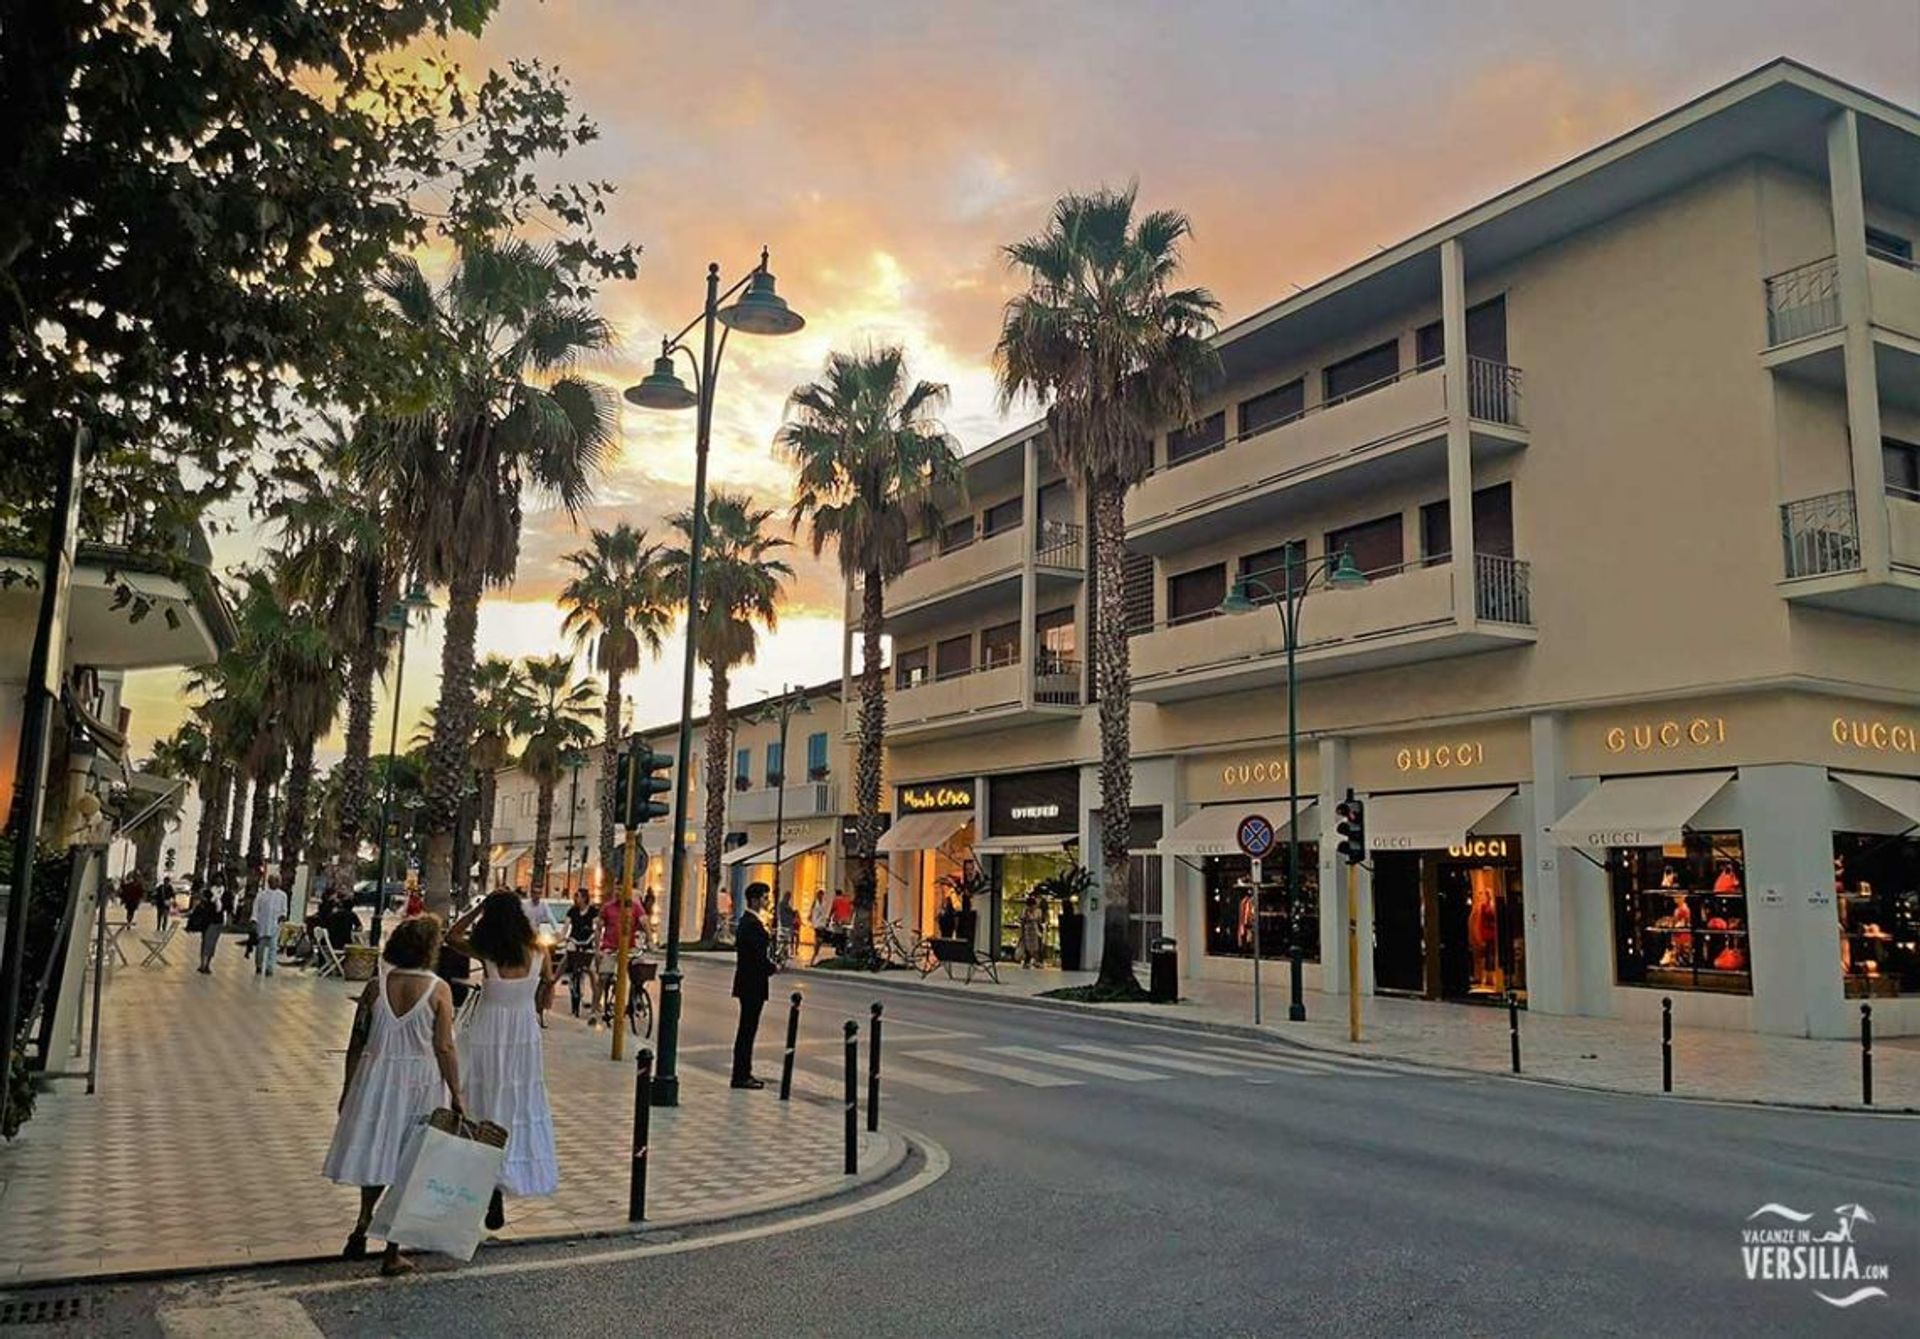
1866	1055
1666	1043
642	1119
793	1042
873	1071
853	1098
1513	1027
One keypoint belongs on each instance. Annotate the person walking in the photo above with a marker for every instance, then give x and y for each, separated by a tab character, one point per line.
163	904
752	967
583	920
203	919
401	1065
132	891
269	909
1033	925
500	1050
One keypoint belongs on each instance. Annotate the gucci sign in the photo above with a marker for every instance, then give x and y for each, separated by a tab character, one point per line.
1428	758
1480	847
1255	773
1646	736
1875	736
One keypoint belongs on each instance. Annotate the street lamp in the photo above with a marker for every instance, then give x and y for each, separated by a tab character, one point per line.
758	310
1335	572
398	620
790	703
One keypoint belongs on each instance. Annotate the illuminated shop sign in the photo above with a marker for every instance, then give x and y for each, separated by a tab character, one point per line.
937	797
1439	757
1259	772
1875	736
1650	736
1480	848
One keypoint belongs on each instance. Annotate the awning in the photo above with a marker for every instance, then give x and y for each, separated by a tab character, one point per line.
1637	810
1048	841
507	855
763	855
922	832
1897	793
1215	829
1430	820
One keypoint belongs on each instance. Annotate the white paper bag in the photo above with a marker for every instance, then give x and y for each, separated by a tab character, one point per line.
439	1195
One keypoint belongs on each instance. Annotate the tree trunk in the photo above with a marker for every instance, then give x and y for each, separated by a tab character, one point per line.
230	862
206	837
147	841
489	790
293	831
542	835
354	772
257	824
609	761
452	739
866	767
718	785
1113	670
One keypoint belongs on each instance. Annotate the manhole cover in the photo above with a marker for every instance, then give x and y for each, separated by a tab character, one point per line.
49	1310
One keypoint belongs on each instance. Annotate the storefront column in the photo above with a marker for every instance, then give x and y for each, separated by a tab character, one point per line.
1568	952
1863	390
1029	576
1453	316
1786	816
1335	776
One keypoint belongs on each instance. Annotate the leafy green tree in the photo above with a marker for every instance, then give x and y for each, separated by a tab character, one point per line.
556	720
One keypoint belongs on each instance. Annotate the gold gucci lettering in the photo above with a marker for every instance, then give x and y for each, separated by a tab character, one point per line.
1480	847
1645	736
1254	773
1432	757
1875	736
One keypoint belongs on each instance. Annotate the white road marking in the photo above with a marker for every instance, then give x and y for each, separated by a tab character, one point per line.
1033	1078
892	1073
1295	1065
238	1318
1182	1063
1100	1067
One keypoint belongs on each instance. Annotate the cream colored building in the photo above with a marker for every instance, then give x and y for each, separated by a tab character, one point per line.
1660	737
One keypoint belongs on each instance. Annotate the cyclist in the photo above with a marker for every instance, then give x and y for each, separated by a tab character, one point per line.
788	918
617	915
583	918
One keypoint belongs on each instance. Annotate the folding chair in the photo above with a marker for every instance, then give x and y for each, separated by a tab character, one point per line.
156	946
327	959
114	948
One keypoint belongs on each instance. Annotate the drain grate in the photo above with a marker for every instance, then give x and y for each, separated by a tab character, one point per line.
53	1309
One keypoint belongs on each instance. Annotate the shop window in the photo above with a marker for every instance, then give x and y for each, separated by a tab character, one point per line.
1270	409
1366	371
1492	525
1680	915
1000	645
1902	461
817	756
1001	516
1196	594
910	668
1268	567
1197	439
1877	886
1230	906
1378	547
953	657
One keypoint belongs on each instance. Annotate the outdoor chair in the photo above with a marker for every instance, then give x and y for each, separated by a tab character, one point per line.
114	947
326	958
156	946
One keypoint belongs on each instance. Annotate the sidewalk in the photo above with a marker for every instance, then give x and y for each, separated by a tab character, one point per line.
1600	1053
202	1147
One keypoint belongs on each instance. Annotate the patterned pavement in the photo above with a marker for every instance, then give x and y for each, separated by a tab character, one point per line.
202	1147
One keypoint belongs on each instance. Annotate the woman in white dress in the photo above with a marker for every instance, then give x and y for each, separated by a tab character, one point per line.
500	1051
401	1065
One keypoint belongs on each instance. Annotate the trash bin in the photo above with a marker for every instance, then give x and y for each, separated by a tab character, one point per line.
1163	972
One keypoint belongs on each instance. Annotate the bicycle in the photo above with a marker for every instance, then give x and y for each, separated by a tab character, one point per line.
579	972
917	954
639	1002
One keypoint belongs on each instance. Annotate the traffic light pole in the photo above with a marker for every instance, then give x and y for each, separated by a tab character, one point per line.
621	973
1353	953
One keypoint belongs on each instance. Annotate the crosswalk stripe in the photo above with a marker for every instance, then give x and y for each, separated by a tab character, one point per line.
1106	1071
1271	1061
891	1072
1169	1061
1033	1078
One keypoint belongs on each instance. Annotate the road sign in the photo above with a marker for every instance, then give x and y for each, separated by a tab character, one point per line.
1255	835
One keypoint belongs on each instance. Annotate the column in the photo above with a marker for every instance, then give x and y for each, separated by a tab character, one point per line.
1786	821
1453	317
1863	390
1554	960
1335	776
1029	544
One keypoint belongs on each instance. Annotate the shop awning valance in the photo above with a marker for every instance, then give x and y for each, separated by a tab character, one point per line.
1049	841
1429	820
1637	810
1215	829
751	854
922	832
1898	793
507	854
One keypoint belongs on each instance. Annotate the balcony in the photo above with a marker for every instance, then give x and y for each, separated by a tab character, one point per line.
1398	619
1893	289
1803	304
976	566
1060	549
989	697
814	799
1824	565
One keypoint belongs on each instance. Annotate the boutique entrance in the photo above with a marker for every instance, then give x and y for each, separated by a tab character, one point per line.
1450	924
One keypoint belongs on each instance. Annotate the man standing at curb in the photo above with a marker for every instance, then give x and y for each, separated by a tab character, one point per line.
752	966
269	909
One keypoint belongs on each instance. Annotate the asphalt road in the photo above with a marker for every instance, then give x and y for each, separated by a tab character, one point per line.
1277	1192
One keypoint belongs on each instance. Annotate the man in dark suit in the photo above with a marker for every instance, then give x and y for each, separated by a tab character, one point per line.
753	965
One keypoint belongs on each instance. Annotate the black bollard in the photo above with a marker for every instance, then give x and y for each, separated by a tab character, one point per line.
873	1071
1866	1055
793	1042
642	1117
1666	1043
853	1098
1513	1027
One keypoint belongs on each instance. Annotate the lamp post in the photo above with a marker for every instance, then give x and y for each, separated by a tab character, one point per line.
758	310
575	760
1335	572
790	703
398	620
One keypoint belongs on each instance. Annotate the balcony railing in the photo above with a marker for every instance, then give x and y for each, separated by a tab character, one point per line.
1803	301
1821	535
1502	589
1056	680
1493	391
1059	545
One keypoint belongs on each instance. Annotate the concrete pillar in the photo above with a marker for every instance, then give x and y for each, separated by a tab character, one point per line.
1335	776
1553	961
1784	813
1029	545
1453	317
1863	390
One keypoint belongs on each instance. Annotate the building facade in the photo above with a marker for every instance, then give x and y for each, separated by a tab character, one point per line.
1630	458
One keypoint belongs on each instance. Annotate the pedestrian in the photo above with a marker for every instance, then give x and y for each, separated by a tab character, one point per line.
500	1050
401	1065
583	919
131	892
203	919
226	904
163	904
618	916
787	917
1033	924
841	914
647	939
752	967
269	909
416	901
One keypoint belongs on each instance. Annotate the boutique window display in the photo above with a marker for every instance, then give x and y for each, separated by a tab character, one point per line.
1230	905
1680	914
1877	890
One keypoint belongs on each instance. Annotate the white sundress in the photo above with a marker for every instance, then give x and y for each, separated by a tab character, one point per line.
398	1083
503	1070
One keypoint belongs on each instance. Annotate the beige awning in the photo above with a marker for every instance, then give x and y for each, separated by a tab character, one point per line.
1215	829
1429	820
507	854
922	832
1047	841
763	855
1898	793
1637	810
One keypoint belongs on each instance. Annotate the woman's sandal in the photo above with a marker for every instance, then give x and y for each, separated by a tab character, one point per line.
393	1265
356	1247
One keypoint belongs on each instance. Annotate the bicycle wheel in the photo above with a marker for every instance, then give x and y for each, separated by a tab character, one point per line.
640	1015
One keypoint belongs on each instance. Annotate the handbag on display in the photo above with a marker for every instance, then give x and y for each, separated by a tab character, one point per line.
439	1194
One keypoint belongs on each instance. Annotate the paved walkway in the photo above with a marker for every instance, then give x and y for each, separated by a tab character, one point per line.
1593	1052
202	1147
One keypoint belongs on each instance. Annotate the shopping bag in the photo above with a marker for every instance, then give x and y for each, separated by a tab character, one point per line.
438	1198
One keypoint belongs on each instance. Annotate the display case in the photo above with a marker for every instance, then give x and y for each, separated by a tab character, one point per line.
1680	915
1877	893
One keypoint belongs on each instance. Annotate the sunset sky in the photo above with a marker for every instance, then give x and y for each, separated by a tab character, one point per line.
885	152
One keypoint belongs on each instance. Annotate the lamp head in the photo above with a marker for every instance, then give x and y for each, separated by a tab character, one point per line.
760	310
418	599
1345	576
662	387
395	619
1239	600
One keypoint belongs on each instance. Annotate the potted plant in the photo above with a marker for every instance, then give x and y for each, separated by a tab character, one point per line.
1069	888
969	883
742	782
819	773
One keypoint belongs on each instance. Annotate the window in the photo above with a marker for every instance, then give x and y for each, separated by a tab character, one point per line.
1000	645
1197	439
910	668
817	756
743	768
776	764
1680	914
921	549
1196	594
1362	372
1889	246
1492	525
1230	903
953	656
1282	404
1269	567
1001	516
1430	344
1378	547
1486	335
1053	632
1055	504
1879	893
1902	461
956	534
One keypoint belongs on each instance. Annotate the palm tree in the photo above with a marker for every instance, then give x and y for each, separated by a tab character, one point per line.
870	460
740	593
555	719
500	697
1115	351
616	603
491	438
178	757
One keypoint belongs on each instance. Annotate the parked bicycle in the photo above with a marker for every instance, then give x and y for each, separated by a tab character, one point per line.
895	947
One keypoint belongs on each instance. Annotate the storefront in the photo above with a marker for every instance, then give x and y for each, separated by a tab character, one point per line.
1033	822
1876	878
928	849
804	851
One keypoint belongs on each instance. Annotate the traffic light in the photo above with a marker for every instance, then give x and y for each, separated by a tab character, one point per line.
637	781
1352	827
